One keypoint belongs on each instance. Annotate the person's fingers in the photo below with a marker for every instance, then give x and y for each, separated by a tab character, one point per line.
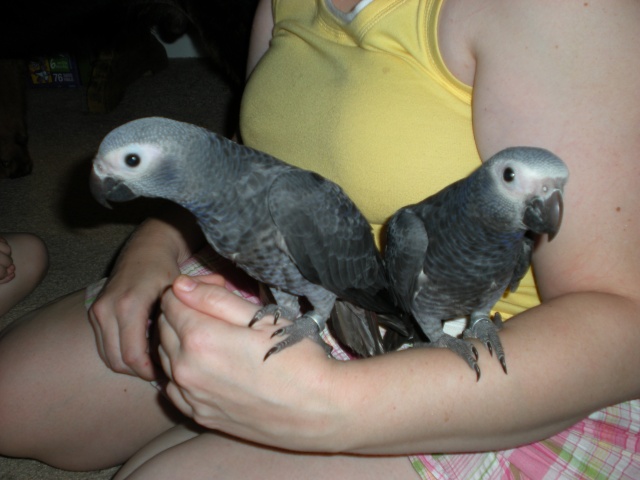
169	347
5	248
177	397
134	347
94	321
208	295
175	394
165	362
7	273
120	331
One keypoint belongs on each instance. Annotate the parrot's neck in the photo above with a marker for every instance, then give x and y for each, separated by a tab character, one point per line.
216	183
487	206
229	186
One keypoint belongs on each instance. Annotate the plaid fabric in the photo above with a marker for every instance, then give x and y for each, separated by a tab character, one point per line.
207	261
605	445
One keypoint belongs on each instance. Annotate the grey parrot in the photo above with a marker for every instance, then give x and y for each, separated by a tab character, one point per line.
289	228
455	253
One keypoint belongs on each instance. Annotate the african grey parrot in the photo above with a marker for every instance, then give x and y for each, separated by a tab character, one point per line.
455	253
289	228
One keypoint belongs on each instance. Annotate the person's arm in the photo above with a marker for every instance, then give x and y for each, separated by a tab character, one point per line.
147	265
261	32
560	75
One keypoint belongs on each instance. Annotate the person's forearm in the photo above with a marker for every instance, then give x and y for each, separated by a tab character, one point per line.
551	350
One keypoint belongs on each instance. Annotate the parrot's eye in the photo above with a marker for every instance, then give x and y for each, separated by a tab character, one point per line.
508	174
132	160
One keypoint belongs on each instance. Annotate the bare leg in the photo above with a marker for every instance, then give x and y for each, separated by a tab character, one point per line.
59	402
169	439
30	258
182	453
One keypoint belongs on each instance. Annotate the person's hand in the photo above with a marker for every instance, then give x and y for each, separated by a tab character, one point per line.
218	375
146	267
7	268
121	315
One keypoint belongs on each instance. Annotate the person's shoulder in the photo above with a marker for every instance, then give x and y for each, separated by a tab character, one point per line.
508	30
518	20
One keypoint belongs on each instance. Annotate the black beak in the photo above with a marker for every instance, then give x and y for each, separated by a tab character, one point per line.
545	215
108	189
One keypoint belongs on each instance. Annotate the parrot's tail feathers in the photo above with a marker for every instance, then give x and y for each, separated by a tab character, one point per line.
399	323
400	330
356	329
393	340
376	299
365	333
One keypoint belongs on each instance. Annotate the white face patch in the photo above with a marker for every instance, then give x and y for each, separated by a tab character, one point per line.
524	182
127	162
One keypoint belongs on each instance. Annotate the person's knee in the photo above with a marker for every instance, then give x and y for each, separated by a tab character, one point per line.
31	257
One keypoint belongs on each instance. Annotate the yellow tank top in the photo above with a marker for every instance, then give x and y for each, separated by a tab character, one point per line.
366	100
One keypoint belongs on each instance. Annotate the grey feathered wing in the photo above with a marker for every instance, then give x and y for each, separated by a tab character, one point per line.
331	243
524	261
407	243
328	239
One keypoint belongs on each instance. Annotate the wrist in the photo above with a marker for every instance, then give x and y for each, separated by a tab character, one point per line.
158	240
328	411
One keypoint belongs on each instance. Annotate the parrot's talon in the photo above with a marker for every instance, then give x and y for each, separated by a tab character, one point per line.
272	309
465	350
278	333
503	362
254	320
307	326
270	352
486	330
489	347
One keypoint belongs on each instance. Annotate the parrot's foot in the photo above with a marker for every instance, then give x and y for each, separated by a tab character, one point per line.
486	330
464	349
276	310
306	326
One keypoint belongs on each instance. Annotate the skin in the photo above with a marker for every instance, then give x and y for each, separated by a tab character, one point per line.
576	353
23	264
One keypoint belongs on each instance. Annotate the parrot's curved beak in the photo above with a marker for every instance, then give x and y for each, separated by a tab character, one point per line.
544	215
108	189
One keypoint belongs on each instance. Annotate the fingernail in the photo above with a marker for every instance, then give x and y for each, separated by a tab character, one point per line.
185	283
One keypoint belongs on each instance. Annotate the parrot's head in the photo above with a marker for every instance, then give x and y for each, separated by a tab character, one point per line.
527	188
143	158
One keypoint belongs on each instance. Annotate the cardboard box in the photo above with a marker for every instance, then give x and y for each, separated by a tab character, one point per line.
60	70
